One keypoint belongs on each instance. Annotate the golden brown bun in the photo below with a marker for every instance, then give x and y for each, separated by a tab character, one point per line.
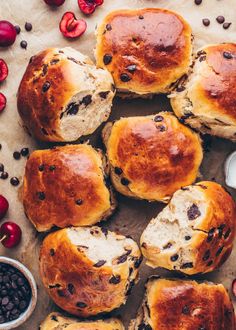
194	233
185	305
208	101
153	156
56	321
88	271
63	96
65	186
151	46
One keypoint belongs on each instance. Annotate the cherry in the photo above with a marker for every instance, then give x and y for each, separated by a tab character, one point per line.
10	234
4	205
234	287
89	6
7	34
3	70
56	3
3	102
70	27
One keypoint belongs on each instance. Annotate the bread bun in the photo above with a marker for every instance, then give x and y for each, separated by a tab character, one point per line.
56	321
152	156
63	96
194	233
207	99
146	50
88	271
65	186
186	305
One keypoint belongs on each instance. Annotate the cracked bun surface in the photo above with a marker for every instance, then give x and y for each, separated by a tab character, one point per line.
56	321
66	186
146	50
88	271
63	96
152	156
187	305
206	100
194	233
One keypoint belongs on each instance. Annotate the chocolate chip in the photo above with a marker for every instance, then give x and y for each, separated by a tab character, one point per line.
123	257
4	175
226	25
43	130
71	288
72	109
228	55
187	238
226	235
1	167
193	212
125	182
174	258
79	202
103	95
72	59
161	128
23	44
209	263
24	152
44	70
18	29
118	170
158	118
141	17
131	68
198	2
52	168
87	100
167	246
14	181
81	304
46	86
115	279
206	21
63	293
105	231
125	77
220	19
41	168
202	58
55	61
107	59
218	252
41	195
187	265
185	310
54	318
28	26
100	263
52	252
180	89
108	27
206	255
16	155
210	235
138	262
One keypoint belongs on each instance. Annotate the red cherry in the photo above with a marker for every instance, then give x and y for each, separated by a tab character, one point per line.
10	234
89	6
70	27
56	3
7	34
3	70
4	205
234	287
3	102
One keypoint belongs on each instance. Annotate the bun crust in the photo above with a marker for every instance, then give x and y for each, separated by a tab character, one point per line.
208	100
153	156
194	233
65	186
56	321
151	46
63	96
185	305
88	271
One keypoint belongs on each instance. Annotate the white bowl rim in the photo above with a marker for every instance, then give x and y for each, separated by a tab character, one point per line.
28	275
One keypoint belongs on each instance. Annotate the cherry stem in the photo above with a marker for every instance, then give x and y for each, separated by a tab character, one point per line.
71	25
2	239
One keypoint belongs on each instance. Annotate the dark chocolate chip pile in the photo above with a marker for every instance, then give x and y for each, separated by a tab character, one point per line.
15	293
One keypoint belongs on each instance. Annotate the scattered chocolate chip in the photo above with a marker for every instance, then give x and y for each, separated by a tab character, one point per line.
115	279
220	19
46	86
202	58
218	252
131	68
24	152
87	100
198	2
4	175
141	17
41	168
161	128
125	182
81	304
108	27
124	257
118	170
187	238
226	25
41	195
100	263
63	293
124	77
206	255
193	212
17	28
226	235
228	55
52	168
185	310
144	245
54	318
103	95
174	258
220	230
187	265
72	59
107	59
57	285
206	21
180	89
16	155
71	288
72	109
209	263
167	246
138	262
23	44
202	186
52	252
1	167
44	70
14	181
79	202
158	118
28	26
55	61
105	231
210	235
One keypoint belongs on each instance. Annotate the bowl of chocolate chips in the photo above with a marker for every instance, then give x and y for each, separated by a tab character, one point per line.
18	293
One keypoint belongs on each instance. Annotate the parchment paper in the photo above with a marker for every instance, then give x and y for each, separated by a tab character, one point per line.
132	216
